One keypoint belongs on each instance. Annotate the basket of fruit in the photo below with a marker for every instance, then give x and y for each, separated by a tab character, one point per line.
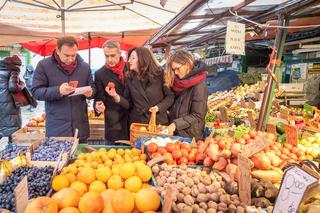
151	129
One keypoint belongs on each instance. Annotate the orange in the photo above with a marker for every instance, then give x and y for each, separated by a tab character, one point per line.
97	186
145	173
42	204
71	177
59	182
67	197
133	184
143	157
147	199
87	175
116	169
69	210
115	182
91	202
122	201
120	152
107	197
127	170
103	174
80	187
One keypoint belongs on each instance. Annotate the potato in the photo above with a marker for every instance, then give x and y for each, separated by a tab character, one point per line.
189	200
212	205
186	191
202	188
180	186
206	180
196	180
223	207
161	173
181	207
215	197
188	182
211	210
156	169
225	198
201	210
211	189
240	209
232	208
195	207
202	198
203	205
194	191
180	197
172	180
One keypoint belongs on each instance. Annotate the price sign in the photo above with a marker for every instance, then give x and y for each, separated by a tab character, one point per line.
256	146
235	38
291	135
294	184
284	114
21	194
244	179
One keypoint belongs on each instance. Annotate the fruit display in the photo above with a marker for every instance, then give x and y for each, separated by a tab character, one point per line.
38	121
176	153
197	190
50	150
115	180
162	141
11	151
38	184
310	145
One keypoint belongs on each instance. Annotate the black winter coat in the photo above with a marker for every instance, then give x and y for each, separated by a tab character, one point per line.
63	114
10	116
116	117
190	107
140	95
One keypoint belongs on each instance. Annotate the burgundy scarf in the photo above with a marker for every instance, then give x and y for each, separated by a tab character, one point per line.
68	68
118	69
180	85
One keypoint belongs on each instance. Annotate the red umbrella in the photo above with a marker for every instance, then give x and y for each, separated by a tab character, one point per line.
46	47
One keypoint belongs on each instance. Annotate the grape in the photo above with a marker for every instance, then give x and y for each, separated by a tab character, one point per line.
50	150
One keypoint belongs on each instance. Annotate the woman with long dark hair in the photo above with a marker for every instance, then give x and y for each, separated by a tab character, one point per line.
144	88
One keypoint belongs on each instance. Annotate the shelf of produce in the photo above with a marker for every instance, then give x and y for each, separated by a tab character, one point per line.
64	157
28	135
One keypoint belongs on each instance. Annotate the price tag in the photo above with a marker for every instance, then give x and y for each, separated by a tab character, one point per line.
252	120
155	161
291	135
21	194
256	146
168	199
244	179
294	184
271	128
284	114
224	114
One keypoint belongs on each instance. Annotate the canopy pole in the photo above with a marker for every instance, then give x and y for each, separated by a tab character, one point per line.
63	18
271	85
89	42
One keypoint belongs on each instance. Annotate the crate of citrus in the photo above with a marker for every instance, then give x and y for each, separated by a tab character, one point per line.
152	129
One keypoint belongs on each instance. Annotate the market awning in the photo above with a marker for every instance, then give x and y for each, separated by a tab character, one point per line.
35	20
204	22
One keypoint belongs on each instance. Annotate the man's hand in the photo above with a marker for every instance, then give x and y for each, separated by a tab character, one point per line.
88	93
100	106
65	89
112	92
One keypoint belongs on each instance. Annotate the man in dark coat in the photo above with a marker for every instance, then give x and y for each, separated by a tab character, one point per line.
53	82
116	117
10	116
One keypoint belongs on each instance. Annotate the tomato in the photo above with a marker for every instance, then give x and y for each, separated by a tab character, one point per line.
111	85
152	147
176	154
184	153
285	151
176	145
246	136
200	157
170	147
186	146
252	134
191	163
155	155
168	158
192	157
183	160
162	150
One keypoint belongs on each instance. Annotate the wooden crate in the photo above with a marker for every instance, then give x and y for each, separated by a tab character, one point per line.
96	129
28	135
56	164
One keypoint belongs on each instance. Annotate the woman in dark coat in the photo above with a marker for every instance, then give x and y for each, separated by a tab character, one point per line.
10	116
144	88
187	78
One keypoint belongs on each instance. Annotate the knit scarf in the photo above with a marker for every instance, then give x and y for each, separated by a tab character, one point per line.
181	84
118	69
68	68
